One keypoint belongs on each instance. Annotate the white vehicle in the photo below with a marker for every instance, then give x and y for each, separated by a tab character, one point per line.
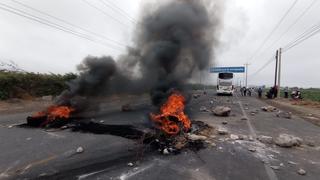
225	84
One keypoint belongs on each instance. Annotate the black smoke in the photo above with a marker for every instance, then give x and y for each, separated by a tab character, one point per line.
174	40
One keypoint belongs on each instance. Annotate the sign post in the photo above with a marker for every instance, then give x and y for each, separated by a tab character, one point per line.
238	69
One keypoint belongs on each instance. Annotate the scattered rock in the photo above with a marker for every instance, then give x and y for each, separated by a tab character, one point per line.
29	138
47	98
252	113
196	96
281	164
195	137
246	104
293	163
203	109
244	118
130	164
287	115
10	126
213	144
64	127
268	108
251	138
243	137
310	143
222	131
221	111
265	139
251	149
101	121
166	151
234	137
275	167
224	122
80	150
246	108
286	140
211	102
301	172
126	108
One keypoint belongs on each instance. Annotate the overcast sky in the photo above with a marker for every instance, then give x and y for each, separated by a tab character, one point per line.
246	24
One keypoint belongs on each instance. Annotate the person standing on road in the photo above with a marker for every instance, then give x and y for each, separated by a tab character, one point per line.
249	91
286	92
244	91
260	92
241	91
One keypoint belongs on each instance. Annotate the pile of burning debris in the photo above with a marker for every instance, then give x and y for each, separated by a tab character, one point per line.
172	132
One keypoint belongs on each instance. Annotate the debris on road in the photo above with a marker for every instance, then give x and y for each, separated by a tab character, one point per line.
265	139
221	111
224	122
29	138
196	96
222	131
275	167
195	137
126	108
287	115
130	164
302	172
268	108
286	140
251	149
252	113
80	150
244	118
203	109
165	151
234	137
292	163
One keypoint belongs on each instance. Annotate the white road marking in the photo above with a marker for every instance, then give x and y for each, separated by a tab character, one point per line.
269	171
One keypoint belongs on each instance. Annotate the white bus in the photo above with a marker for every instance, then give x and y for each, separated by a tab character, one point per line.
225	84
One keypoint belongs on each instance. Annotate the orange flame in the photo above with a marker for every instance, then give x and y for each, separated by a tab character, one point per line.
174	107
54	112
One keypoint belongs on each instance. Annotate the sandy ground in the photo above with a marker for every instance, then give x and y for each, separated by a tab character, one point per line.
307	110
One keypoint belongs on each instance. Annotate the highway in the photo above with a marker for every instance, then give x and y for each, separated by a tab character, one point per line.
28	153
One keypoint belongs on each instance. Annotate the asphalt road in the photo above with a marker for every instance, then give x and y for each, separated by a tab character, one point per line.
37	154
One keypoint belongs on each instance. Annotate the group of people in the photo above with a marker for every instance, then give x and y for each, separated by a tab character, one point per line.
245	91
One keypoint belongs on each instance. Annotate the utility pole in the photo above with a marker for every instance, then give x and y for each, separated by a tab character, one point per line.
247	64
276	70
279	74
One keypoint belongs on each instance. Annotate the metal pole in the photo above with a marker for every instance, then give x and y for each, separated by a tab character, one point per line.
246	74
279	75
276	70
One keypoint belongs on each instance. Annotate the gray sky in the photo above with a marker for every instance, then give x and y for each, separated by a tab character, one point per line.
39	48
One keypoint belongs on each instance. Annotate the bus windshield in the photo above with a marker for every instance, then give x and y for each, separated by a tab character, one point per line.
225	75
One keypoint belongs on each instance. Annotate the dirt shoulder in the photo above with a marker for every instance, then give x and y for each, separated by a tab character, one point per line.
307	110
19	106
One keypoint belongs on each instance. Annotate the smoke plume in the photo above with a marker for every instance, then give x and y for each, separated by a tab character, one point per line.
174	40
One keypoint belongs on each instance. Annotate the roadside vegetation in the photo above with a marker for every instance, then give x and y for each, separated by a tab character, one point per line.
312	94
28	85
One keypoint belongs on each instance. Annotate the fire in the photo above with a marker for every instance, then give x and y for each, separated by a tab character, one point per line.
54	112
171	114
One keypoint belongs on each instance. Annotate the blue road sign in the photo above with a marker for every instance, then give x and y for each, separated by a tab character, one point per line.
239	69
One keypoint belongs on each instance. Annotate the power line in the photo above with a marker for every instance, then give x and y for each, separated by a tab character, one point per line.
116	8
68	23
302	38
294	23
274	29
103	12
263	66
51	24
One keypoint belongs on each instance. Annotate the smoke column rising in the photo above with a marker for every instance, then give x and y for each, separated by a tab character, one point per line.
174	40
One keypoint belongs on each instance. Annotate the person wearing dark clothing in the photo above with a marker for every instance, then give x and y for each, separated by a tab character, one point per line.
260	92
244	91
249	91
286	92
241	91
275	92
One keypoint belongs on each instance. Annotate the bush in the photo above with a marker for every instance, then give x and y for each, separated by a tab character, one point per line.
16	84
